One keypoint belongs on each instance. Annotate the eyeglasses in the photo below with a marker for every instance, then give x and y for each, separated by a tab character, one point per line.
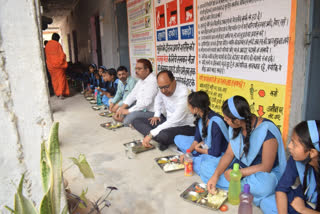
164	87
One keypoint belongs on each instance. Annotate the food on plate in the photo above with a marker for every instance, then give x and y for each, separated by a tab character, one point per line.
199	189
172	166
224	208
163	160
216	200
193	196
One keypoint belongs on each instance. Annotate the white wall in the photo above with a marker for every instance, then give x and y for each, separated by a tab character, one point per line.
24	107
80	21
299	68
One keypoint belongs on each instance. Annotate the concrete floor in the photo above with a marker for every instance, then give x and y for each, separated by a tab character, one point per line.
143	187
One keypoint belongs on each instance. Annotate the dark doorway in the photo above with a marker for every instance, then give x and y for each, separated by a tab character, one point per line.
122	26
312	104
69	47
98	37
75	45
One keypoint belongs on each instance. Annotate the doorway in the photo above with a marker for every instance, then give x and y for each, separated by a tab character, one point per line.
98	37
122	31
69	47
312	96
96	40
75	45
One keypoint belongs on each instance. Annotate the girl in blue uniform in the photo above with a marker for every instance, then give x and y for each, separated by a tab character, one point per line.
256	144
101	70
211	137
110	86
89	79
303	164
97	82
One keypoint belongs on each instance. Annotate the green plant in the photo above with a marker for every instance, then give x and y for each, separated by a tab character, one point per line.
83	166
51	174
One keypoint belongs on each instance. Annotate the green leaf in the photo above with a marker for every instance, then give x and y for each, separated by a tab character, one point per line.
22	205
45	206
55	162
83	165
20	187
44	168
9	208
83	198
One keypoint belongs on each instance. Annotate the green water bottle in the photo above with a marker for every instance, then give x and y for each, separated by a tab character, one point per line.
234	185
99	101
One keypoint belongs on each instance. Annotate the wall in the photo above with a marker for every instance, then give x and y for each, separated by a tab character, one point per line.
299	67
273	81
79	20
24	107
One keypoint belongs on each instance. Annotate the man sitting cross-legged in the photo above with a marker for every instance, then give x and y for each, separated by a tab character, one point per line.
125	86
171	97
142	95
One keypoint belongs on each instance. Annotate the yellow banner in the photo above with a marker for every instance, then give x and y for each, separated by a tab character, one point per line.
265	99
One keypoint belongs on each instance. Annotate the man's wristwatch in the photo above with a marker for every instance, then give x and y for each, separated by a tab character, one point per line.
150	135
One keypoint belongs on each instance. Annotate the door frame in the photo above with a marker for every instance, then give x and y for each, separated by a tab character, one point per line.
308	42
116	26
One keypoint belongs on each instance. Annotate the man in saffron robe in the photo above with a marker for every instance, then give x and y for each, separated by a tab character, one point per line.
57	65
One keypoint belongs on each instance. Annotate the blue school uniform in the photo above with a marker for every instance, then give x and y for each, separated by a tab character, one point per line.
98	83
92	80
216	140
88	79
95	84
103	83
293	170
262	184
110	87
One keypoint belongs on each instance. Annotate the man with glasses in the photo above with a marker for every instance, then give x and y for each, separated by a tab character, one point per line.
172	97
140	101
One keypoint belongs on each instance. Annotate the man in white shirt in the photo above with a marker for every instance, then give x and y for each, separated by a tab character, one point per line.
172	97
141	98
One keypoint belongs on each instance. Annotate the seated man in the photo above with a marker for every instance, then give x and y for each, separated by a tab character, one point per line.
142	95
125	86
172	97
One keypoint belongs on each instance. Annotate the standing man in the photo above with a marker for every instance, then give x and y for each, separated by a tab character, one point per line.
172	97
141	97
48	74
57	65
125	86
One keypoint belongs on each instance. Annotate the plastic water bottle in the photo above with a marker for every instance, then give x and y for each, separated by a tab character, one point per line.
129	152
245	201
188	164
99	99
234	185
95	93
